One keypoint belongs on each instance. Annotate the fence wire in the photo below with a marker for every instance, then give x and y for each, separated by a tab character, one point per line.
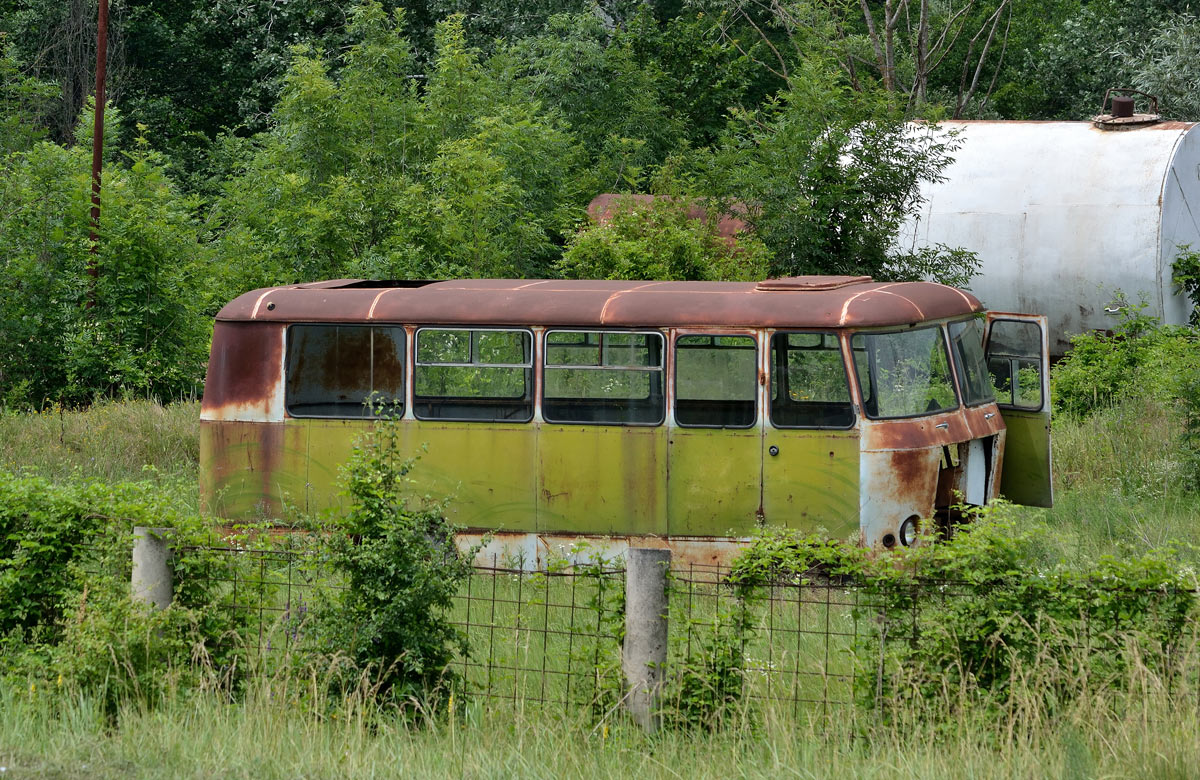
812	648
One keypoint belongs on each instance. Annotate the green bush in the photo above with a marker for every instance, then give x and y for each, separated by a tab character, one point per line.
400	571
1141	359
977	613
65	606
660	240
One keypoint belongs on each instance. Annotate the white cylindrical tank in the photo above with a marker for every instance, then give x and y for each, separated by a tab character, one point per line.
1064	214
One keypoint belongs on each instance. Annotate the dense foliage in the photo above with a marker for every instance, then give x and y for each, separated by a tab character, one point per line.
980	612
65	611
267	143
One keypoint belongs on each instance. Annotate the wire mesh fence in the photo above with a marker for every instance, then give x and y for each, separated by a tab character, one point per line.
815	647
786	643
549	638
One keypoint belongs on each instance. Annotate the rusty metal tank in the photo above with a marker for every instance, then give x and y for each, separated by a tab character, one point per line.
1065	214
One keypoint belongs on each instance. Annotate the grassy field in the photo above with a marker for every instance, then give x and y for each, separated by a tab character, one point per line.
262	737
1118	490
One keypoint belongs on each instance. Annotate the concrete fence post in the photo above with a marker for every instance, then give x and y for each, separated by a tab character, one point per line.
644	655
152	579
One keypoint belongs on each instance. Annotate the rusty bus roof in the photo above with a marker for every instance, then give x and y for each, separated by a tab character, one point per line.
794	302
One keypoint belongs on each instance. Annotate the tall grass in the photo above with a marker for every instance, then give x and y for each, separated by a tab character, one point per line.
112	441
1145	733
1119	483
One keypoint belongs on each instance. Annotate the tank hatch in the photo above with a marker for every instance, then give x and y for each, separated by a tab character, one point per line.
1118	111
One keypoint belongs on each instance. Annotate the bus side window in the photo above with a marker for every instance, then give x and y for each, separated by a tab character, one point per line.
809	388
344	371
603	378
473	375
716	378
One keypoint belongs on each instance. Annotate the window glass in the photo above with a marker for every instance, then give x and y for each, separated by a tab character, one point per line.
966	345
344	371
473	375
716	379
908	372
604	378
1015	350
809	388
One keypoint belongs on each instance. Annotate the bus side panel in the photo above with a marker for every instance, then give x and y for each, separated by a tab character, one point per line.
489	471
896	484
602	479
330	443
253	469
714	484
812	483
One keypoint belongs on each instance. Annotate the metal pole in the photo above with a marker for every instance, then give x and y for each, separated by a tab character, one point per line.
93	268
644	655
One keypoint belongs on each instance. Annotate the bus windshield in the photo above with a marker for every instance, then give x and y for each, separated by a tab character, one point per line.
904	374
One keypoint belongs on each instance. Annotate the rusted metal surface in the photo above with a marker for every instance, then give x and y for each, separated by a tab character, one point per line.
807	283
922	465
245	373
1055	230
895	485
609	304
253	469
972	422
551	484
604	206
534	551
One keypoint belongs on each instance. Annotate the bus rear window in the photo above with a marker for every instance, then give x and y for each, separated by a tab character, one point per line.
344	371
906	374
809	388
473	375
604	378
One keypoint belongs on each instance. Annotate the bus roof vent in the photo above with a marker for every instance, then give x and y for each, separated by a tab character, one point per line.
802	283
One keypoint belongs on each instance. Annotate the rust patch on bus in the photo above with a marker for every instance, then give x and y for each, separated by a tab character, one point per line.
951	427
244	371
611	303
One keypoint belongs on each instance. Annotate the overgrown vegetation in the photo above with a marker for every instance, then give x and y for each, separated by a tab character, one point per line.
456	139
399	569
990	614
65	563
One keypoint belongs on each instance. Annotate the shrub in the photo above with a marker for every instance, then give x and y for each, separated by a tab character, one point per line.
975	613
401	571
65	607
1142	358
661	240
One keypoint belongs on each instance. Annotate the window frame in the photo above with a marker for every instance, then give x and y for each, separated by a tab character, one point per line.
531	386
405	371
945	336
757	348
1012	360
771	368
960	371
661	368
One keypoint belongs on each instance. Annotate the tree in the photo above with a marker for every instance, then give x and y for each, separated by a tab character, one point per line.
148	331
1169	66
903	45
828	173
368	173
23	100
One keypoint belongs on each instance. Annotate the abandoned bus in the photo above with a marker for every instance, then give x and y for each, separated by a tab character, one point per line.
680	414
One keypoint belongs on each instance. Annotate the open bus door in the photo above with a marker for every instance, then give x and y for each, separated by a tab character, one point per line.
1018	358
